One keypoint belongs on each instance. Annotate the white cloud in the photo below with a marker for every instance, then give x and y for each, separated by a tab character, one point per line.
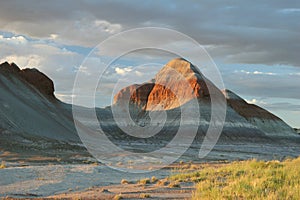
252	101
107	27
29	61
138	73
13	40
56	62
294	74
123	71
65	97
256	101
289	10
53	36
85	70
264	73
257	72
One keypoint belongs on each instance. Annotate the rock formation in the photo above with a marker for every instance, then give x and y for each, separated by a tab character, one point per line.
179	81
28	105
175	84
32	76
31	116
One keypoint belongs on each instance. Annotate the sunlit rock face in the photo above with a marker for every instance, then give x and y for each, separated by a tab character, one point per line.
175	84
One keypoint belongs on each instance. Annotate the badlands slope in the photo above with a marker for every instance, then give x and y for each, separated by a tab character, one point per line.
179	82
34	122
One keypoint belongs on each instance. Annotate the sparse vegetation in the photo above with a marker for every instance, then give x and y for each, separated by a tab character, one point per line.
124	181
154	179
144	196
2	165
118	197
144	181
162	182
246	180
174	184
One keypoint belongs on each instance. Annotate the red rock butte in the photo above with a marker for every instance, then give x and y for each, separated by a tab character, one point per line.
176	83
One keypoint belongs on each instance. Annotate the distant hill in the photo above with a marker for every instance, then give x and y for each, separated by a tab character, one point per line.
28	105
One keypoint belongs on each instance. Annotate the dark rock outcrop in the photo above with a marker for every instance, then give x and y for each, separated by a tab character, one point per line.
32	76
29	108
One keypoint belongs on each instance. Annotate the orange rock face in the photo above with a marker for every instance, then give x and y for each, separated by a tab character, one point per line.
137	94
175	84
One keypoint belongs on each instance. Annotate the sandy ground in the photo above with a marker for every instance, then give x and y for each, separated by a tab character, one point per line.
66	173
132	191
85	181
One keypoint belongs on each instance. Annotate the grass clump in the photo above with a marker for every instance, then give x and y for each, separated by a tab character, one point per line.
154	179
162	182
144	181
247	180
144	196
124	181
174	184
188	177
118	197
2	165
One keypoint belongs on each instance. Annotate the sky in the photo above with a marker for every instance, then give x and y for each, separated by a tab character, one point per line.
255	44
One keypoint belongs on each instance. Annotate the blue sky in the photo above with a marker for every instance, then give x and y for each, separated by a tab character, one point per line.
255	44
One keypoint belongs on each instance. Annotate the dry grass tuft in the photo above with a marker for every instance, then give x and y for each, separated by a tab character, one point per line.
154	179
144	181
174	184
250	179
118	197
2	165
162	182
124	181
144	196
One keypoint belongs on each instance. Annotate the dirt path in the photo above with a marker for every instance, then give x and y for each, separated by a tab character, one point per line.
132	191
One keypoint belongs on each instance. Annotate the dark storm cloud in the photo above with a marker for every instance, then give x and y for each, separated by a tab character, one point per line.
264	85
265	32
